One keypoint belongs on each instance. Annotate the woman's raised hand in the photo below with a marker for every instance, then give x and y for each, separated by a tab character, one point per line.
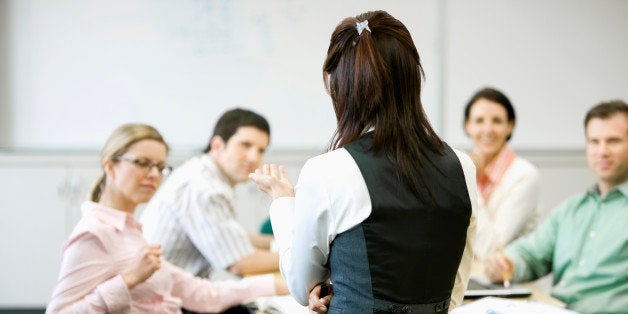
145	266
273	180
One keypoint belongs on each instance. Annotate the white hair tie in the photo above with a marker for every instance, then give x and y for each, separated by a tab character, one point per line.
362	26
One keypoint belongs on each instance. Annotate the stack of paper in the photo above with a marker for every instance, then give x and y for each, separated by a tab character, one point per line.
492	305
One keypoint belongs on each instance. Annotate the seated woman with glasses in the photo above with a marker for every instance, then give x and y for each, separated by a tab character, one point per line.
107	266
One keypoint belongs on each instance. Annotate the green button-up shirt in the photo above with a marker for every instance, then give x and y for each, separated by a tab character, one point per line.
584	243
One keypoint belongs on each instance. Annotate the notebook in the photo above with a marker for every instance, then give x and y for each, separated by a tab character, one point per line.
481	287
507	306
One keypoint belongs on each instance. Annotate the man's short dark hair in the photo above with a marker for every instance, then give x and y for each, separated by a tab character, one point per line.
606	109
233	119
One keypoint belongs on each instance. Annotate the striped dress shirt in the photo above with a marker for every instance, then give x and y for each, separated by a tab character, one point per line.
192	217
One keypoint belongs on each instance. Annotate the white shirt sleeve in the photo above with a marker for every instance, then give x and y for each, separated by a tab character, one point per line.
304	220
331	197
464	270
201	295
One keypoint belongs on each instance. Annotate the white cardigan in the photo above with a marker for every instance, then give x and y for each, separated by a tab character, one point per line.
512	209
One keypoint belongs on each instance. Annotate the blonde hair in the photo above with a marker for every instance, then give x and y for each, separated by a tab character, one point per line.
118	143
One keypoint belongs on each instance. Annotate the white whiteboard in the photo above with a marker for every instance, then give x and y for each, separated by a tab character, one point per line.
80	68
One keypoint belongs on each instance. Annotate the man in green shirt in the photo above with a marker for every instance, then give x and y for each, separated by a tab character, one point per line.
584	242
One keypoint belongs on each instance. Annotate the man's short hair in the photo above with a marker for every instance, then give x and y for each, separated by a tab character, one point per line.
233	119
606	109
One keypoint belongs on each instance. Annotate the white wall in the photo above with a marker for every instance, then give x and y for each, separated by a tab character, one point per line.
553	58
6	116
74	70
79	68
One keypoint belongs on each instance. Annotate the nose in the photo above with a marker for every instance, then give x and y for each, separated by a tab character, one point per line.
603	148
488	127
154	171
254	156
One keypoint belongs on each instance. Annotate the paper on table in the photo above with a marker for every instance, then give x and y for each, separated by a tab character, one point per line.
492	305
284	304
480	287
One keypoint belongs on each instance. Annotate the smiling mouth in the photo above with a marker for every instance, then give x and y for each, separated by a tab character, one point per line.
487	140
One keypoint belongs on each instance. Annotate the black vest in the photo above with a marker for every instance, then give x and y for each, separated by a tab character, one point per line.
406	253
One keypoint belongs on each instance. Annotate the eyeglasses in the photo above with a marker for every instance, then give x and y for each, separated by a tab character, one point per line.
146	165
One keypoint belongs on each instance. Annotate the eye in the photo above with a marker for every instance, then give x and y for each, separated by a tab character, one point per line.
143	163
165	170
498	120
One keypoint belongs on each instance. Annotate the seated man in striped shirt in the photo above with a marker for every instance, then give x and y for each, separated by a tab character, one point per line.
192	214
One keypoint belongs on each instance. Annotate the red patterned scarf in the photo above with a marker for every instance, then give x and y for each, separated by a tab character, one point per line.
494	172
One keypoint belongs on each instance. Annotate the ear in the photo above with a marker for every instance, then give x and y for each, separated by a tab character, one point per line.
466	128
107	166
217	144
511	126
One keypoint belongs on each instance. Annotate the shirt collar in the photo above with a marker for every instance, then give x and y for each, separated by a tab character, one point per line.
211	165
622	188
110	216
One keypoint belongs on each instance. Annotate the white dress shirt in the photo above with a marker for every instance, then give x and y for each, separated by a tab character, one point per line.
332	197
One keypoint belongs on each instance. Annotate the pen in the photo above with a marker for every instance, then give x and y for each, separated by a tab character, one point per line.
506	274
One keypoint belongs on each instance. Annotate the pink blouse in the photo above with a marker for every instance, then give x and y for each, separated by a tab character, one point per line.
104	244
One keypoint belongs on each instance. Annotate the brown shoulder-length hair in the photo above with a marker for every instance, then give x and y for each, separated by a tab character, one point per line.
374	80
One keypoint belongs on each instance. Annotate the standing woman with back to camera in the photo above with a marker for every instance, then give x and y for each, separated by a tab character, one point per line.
388	213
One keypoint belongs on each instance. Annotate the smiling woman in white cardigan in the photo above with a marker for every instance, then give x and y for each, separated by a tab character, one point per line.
508	185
